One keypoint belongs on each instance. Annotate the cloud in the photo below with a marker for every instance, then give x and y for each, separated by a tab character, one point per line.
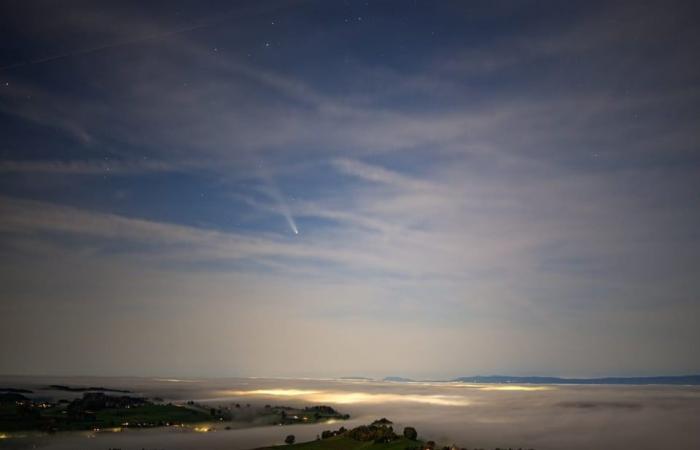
379	175
88	167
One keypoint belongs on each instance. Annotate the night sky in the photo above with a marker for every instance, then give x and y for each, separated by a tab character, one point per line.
327	188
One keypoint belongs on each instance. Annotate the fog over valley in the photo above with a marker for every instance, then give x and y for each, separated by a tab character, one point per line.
544	417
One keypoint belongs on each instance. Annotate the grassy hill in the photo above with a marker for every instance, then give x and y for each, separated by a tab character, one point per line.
345	443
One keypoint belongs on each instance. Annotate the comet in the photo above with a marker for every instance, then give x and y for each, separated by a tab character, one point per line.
275	194
284	210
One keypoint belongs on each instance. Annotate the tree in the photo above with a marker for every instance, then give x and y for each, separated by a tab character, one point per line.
289	439
382	422
410	433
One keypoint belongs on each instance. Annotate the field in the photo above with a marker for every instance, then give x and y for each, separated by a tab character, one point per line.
96	410
55	418
151	415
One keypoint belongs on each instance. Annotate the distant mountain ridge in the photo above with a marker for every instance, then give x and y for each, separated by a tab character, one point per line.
398	379
501	379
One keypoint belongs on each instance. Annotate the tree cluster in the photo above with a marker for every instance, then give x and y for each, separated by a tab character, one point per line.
382	422
322	409
378	434
330	433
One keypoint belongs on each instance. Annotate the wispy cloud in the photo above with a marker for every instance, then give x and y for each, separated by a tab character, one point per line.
380	175
87	167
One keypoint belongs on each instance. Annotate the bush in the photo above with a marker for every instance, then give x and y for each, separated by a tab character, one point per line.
410	433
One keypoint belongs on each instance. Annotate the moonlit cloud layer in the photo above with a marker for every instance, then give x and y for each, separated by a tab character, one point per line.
349	398
315	189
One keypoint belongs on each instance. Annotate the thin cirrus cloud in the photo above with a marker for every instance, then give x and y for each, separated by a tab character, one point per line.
87	167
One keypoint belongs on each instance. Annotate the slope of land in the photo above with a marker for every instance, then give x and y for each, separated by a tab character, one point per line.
379	435
97	410
346	443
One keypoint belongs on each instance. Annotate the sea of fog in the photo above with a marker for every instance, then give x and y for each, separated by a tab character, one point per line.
543	417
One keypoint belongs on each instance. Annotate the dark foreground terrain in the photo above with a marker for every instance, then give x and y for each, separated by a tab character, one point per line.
98	410
379	435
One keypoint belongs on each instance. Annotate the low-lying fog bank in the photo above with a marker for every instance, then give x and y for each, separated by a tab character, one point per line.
542	417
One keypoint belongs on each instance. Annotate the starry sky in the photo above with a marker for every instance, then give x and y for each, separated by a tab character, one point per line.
329	188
